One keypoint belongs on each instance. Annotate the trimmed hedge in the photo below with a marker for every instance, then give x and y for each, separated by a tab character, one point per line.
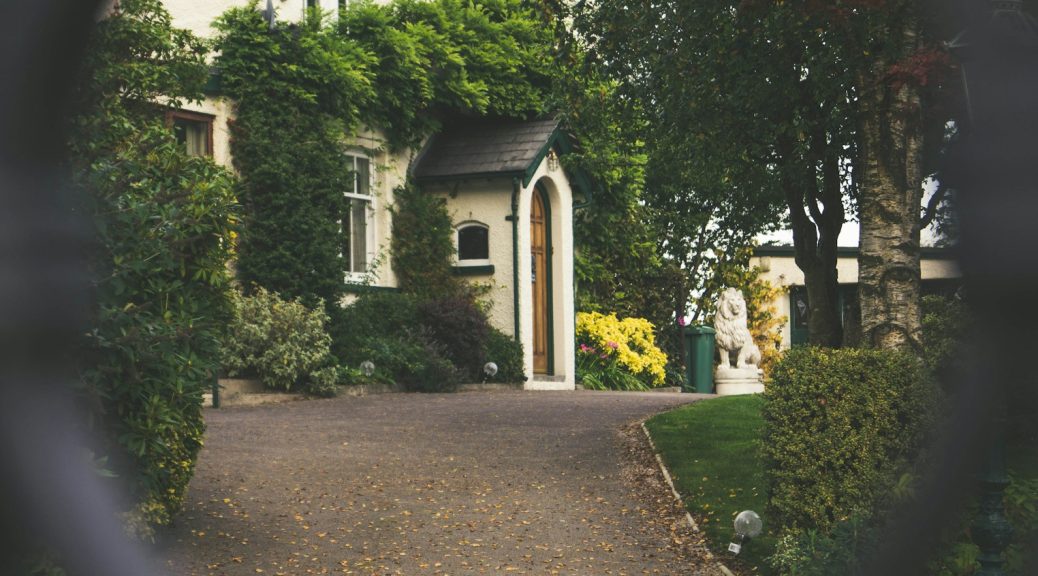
839	427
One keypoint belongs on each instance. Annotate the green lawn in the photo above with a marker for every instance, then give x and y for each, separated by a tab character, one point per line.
711	450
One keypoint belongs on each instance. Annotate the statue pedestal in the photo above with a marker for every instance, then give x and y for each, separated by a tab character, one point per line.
733	381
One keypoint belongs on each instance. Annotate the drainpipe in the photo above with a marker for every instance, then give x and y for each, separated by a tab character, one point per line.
515	255
589	197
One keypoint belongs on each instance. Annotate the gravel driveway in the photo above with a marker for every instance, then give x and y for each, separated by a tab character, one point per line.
467	483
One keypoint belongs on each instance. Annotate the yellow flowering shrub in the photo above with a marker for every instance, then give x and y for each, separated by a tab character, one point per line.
631	342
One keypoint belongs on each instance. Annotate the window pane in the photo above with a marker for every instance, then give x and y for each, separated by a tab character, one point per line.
358	235
473	243
193	135
363	176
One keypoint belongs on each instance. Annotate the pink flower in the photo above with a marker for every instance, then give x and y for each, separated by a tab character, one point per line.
612	345
585	348
681	321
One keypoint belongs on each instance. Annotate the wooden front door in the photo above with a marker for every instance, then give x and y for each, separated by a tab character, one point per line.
540	253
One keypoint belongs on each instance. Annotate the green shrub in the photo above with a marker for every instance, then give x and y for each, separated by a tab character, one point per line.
461	328
425	345
840	426
596	370
412	360
946	322
281	342
504	351
422	245
372	316
163	222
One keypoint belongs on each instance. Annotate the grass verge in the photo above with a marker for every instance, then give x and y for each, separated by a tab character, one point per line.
711	450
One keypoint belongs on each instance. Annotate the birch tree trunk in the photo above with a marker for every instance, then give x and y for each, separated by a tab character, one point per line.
889	205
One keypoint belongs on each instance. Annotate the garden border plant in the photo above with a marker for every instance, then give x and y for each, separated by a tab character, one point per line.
163	224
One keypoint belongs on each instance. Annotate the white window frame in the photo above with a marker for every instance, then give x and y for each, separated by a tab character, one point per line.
457	244
369	236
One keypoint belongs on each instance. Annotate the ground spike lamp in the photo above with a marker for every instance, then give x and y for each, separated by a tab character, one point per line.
747	525
489	371
998	58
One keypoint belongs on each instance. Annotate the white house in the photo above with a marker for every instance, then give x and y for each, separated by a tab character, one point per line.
510	200
939	272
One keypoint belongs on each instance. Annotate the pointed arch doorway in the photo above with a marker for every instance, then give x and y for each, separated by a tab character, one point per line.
541	279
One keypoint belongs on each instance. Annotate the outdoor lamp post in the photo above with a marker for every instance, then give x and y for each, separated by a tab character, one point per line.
998	58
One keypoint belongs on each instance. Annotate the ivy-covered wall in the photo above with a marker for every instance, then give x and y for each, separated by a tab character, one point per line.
303	91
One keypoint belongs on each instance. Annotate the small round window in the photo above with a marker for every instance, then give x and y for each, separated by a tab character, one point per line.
473	243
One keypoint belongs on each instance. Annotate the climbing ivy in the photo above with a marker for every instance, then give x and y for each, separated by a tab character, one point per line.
297	90
422	244
301	90
445	57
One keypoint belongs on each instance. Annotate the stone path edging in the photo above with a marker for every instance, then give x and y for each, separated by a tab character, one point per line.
673	489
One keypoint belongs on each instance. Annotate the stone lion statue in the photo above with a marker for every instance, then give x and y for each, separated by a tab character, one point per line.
734	342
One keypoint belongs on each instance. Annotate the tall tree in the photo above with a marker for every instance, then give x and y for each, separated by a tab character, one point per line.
747	111
899	85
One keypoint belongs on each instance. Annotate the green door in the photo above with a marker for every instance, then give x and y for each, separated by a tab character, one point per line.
798	312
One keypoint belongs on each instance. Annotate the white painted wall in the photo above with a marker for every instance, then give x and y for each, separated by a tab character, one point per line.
223	111
198	15
489	202
561	197
782	271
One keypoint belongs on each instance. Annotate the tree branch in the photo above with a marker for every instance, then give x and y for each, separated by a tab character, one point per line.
931	206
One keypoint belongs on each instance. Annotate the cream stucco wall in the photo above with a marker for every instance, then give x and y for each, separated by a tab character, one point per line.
561	197
222	111
198	15
488	202
782	271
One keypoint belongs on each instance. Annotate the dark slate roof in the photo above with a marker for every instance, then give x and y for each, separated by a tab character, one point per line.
484	148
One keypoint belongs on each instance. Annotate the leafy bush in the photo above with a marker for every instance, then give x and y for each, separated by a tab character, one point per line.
410	359
945	324
815	553
461	329
629	345
504	351
372	315
422	245
281	342
840	426
163	222
424	345
598	370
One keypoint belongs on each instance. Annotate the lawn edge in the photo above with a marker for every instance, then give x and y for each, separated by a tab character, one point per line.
673	490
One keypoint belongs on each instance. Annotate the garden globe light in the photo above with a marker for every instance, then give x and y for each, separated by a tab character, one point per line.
747	525
367	367
490	369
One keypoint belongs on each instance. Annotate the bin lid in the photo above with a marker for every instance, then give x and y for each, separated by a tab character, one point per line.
699	329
